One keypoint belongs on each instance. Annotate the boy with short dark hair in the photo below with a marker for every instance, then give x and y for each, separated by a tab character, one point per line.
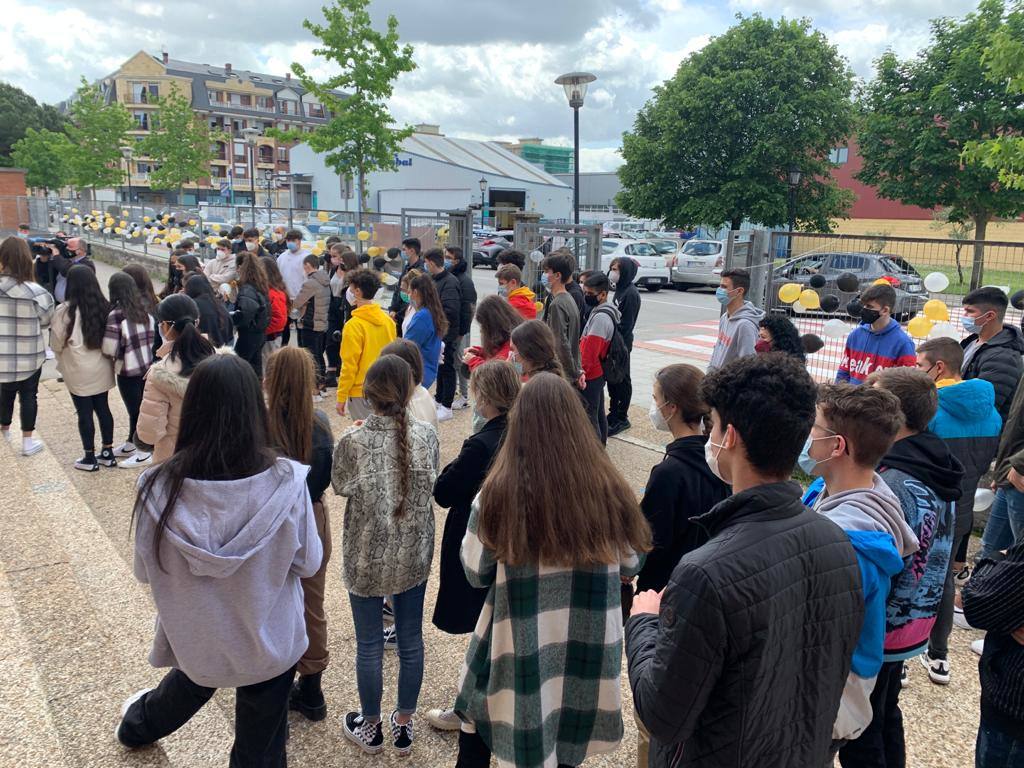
367	332
738	326
878	342
595	341
992	350
450	292
311	306
561	314
511	256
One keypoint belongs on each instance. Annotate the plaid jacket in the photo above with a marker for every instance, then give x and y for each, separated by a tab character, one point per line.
25	313
541	678
129	344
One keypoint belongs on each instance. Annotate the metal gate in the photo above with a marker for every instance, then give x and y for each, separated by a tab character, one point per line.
537	239
438	228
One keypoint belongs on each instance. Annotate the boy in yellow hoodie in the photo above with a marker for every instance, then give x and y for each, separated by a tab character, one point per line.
367	332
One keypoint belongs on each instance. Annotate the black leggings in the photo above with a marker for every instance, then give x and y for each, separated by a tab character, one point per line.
131	388
25	390
85	407
249	347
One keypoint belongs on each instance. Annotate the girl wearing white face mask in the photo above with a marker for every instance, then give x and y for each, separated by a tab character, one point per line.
681	486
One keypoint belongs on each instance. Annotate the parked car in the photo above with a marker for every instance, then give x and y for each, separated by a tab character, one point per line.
486	249
652	273
698	264
867	267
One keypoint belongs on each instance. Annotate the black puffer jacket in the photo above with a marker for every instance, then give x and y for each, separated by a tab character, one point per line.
746	662
450	291
998	361
468	305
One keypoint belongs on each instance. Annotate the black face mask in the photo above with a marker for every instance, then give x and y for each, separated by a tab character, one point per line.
869	316
591	300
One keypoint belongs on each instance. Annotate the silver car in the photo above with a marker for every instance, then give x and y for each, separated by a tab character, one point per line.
699	264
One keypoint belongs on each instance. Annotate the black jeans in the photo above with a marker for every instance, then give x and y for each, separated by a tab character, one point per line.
619	397
593	395
882	744
249	347
938	641
85	407
314	342
131	388
261	717
445	390
28	406
474	753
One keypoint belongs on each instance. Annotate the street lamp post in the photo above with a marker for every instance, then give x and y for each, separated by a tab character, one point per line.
575	85
250	135
483	190
127	152
794	182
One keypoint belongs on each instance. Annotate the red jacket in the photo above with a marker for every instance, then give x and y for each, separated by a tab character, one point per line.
479	359
278	312
523	301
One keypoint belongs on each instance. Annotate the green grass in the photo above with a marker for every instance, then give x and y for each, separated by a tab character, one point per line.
991	277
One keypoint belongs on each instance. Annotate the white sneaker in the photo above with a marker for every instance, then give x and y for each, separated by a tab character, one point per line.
125	449
6	433
959	619
30	446
124	711
938	669
49	354
318	398
138	460
444	414
444	719
459	403
978	646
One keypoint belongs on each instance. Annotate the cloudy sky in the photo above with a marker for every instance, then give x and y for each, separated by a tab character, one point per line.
485	70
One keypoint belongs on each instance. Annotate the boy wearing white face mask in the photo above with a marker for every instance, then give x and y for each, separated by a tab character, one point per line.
853	429
992	350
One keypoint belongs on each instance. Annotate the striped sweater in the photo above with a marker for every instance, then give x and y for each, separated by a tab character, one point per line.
868	351
994	601
541	678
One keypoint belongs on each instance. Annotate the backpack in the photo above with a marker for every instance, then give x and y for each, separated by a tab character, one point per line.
616	360
260	313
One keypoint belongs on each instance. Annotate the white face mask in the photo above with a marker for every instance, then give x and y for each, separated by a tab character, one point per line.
657	418
712	458
350	297
222	254
252	246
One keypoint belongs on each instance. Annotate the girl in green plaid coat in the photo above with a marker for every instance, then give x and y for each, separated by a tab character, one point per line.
553	534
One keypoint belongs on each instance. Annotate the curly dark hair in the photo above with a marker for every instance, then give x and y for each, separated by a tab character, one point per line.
785	336
770	401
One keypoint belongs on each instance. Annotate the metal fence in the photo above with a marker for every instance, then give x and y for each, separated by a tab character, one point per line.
905	262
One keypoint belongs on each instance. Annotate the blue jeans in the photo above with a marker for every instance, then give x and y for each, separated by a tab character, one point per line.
1005	523
367	615
996	748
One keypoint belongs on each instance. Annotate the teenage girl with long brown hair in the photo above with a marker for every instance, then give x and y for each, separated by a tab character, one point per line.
252	310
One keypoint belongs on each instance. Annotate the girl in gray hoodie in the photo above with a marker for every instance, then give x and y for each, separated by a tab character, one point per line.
224	533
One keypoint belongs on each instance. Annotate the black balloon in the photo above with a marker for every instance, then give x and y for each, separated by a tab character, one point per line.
1017	300
811	343
853	308
829	303
817	281
847	282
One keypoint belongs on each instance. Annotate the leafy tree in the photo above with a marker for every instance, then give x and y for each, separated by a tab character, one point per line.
716	141
360	136
178	144
922	113
18	113
96	131
961	231
44	156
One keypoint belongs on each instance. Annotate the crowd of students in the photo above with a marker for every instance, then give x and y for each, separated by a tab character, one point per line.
762	623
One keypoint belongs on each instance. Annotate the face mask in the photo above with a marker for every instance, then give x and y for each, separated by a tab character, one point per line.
293	246
447	263
971	325
712	458
762	346
591	300
222	253
502	290
519	368
236	240
657	418
807	464
613	277
869	316
350	297
405	297
722	295
545	280
23	235
478	421
251	246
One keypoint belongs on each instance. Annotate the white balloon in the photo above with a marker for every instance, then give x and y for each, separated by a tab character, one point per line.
983	499
536	257
944	330
936	282
835	329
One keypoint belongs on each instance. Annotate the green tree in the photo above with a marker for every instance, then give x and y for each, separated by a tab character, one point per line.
18	113
178	143
44	156
360	136
922	113
716	141
96	130
960	231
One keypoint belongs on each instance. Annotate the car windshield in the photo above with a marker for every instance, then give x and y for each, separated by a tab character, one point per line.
702	249
894	264
642	249
664	246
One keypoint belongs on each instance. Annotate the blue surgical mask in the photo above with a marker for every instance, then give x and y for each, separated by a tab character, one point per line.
806	463
971	325
447	263
293	246
722	295
519	368
545	280
502	290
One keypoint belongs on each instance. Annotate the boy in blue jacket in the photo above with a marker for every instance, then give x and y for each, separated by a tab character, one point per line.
854	427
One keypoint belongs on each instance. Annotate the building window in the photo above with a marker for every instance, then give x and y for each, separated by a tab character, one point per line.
282	154
216	97
145	93
289	107
141	120
240	150
839	156
241	171
265	103
315	110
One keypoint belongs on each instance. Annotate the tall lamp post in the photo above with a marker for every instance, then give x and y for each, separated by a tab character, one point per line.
483	190
250	135
794	182
127	153
575	85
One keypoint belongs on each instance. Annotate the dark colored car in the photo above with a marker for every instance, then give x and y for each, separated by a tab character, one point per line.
866	267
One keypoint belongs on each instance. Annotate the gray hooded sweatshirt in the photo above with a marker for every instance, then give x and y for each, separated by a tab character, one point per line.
228	598
737	334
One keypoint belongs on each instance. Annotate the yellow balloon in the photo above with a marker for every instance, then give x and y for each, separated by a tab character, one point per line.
789	293
936	310
809	299
146	219
323	215
374	250
94	225
191	222
317	250
215	227
881	281
74	210
123	223
321	244
919	327
363	235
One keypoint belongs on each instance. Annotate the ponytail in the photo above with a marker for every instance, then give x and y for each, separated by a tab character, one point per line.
190	347
402	419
